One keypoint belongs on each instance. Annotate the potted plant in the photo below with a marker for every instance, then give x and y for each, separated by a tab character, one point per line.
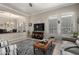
75	34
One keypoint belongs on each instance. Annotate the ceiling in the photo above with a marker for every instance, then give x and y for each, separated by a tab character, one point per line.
25	9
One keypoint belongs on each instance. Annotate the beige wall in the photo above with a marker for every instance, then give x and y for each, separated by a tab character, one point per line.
13	37
78	17
43	17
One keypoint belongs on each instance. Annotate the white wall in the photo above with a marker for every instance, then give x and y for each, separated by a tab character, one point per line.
43	17
77	17
13	37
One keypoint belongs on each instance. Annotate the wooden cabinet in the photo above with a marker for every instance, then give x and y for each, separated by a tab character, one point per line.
38	35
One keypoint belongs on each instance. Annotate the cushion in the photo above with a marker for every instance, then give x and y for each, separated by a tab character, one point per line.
66	53
67	44
13	49
74	50
77	42
3	51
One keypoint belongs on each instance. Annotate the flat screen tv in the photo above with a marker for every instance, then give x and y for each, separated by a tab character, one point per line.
39	27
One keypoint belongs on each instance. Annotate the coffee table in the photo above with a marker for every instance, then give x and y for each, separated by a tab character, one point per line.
44	47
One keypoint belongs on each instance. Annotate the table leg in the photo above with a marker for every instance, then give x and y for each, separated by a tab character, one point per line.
34	50
44	52
51	44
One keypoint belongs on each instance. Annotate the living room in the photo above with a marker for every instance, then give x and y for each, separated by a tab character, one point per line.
39	29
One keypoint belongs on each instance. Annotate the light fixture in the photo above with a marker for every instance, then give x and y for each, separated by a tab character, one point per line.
30	4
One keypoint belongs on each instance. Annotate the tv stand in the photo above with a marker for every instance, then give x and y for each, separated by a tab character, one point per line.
38	35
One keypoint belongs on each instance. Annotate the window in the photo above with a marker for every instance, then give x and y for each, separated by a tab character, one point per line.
53	26
66	24
63	24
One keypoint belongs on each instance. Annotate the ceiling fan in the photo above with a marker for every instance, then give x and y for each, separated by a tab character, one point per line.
30	4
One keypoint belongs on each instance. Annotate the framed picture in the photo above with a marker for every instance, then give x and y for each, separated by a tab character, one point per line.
30	24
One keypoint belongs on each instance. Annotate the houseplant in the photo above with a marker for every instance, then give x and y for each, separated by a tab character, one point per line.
75	34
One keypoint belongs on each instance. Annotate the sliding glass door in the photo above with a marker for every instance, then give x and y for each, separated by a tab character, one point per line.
64	24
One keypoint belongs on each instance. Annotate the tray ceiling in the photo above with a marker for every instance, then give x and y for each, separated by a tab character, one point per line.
35	9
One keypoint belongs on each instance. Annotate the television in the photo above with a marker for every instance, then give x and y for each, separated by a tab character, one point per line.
39	27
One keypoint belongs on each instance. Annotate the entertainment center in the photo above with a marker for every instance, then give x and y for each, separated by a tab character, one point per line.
38	32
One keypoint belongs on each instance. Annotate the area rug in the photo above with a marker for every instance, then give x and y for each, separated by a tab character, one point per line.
26	48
